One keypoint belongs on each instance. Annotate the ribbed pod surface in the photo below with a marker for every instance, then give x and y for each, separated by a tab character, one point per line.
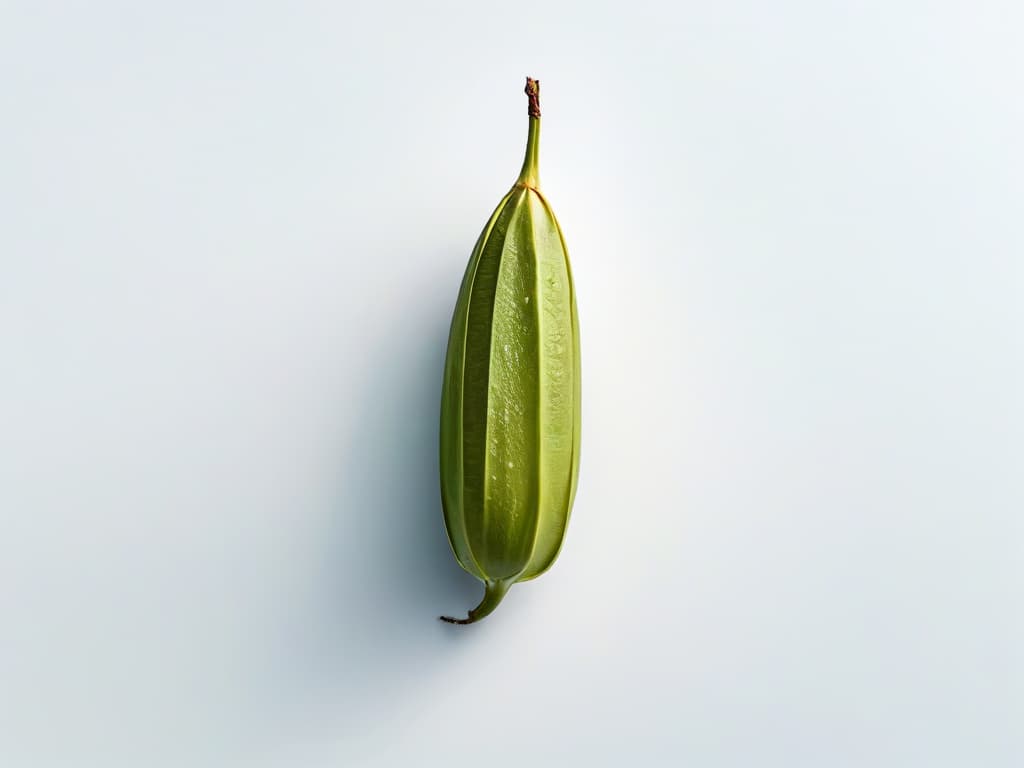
510	411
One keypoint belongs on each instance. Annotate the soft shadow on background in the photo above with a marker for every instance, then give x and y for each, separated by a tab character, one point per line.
386	570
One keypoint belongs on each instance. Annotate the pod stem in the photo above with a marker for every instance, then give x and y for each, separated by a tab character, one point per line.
529	176
494	591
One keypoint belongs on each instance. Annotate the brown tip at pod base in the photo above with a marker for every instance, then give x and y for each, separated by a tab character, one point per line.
533	91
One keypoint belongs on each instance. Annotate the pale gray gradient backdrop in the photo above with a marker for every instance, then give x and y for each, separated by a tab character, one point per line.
231	237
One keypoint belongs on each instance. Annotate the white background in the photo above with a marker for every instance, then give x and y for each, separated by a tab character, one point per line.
232	236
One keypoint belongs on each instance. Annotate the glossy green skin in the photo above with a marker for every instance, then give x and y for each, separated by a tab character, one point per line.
510	406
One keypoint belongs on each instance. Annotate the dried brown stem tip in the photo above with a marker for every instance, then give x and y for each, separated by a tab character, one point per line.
533	91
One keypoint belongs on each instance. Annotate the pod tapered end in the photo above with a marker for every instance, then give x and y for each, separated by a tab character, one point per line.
494	591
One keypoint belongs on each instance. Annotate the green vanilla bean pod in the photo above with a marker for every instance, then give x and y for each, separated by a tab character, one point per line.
510	404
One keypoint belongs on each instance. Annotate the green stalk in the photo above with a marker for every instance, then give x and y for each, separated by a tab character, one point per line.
529	176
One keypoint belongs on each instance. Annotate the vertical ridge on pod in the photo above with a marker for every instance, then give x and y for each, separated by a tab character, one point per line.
476	381
575	341
510	504
452	399
558	415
